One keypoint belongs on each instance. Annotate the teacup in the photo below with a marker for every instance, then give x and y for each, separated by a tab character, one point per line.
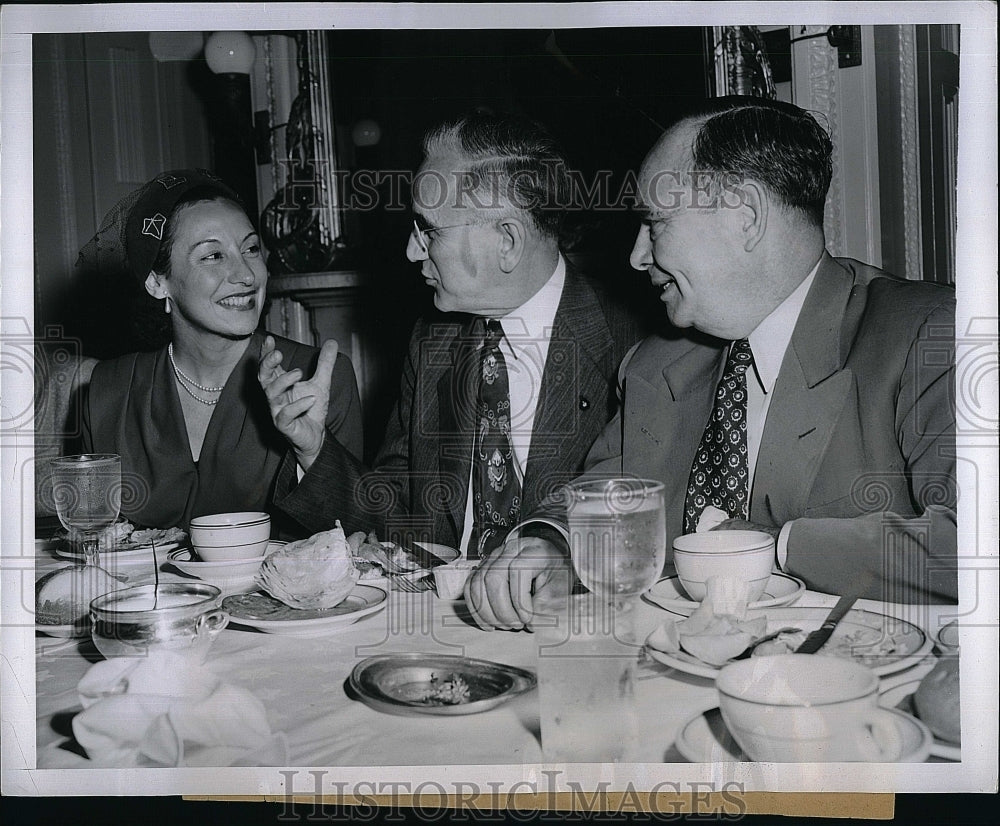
804	708
744	555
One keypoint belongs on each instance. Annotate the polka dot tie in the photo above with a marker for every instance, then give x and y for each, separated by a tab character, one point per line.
720	474
496	490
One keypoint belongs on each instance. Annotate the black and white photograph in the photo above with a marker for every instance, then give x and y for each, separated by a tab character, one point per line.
472	401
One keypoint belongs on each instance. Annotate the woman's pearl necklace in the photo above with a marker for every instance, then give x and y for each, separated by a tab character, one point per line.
182	377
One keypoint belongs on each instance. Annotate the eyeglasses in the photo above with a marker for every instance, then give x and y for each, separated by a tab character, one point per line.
420	234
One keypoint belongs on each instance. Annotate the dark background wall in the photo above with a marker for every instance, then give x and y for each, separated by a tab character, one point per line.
606	94
108	117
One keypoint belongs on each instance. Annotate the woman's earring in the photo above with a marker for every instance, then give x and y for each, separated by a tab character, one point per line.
166	304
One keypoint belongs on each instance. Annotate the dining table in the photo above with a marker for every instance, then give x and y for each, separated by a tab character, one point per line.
304	685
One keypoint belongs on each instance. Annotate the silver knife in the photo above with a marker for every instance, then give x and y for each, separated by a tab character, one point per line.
818	638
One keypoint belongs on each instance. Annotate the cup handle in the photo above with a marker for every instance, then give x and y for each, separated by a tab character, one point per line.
212	622
879	737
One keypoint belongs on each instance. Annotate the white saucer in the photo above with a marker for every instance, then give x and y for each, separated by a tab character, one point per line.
900	698
704	738
668	593
184	560
231	576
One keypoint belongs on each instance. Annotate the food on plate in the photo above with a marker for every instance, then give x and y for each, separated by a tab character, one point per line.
63	597
937	700
873	644
258	606
124	536
449	691
375	559
317	572
717	629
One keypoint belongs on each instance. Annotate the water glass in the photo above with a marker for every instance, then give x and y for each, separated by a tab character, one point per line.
586	678
618	536
87	493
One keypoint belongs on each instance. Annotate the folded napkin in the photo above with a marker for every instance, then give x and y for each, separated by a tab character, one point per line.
166	710
717	629
710	517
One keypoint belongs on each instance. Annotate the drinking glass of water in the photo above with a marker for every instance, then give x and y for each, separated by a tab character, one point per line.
617	535
587	649
87	493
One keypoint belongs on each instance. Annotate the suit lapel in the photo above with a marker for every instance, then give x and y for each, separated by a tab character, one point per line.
455	390
673	412
574	376
809	396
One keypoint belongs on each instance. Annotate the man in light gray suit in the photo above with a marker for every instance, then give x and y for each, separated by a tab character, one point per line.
849	414
489	203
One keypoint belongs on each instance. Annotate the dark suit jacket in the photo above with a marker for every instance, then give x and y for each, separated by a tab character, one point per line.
133	408
419	483
858	451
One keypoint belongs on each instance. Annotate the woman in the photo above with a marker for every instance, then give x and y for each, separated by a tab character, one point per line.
190	420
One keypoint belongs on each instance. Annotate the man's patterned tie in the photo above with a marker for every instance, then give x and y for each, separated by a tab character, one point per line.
719	474
496	489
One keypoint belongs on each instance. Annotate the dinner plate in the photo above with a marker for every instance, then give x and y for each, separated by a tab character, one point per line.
405	684
668	593
265	613
143	555
704	738
883	644
443	552
901	697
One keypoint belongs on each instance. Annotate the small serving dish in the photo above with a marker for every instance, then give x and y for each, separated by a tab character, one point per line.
436	684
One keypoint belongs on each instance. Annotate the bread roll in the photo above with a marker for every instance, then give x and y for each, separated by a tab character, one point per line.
63	597
937	700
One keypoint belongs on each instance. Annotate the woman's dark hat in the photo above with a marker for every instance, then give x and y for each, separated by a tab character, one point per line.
132	232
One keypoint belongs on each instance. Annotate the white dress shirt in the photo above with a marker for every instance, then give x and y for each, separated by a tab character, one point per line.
525	346
768	342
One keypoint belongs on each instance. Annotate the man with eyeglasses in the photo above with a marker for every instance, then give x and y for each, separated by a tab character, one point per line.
812	398
505	390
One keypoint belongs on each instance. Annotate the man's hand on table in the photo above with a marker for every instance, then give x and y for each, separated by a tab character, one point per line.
500	591
744	525
298	407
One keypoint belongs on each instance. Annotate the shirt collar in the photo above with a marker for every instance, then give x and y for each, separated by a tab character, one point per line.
534	319
770	340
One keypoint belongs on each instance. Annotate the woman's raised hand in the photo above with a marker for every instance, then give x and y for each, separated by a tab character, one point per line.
298	407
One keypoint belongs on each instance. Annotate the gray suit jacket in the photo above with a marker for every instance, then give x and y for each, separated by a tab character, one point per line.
418	485
858	451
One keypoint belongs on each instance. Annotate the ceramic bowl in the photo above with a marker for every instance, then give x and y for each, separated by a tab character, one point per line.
226	536
744	555
807	708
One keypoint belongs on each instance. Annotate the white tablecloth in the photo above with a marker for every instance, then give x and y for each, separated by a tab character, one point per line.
302	683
